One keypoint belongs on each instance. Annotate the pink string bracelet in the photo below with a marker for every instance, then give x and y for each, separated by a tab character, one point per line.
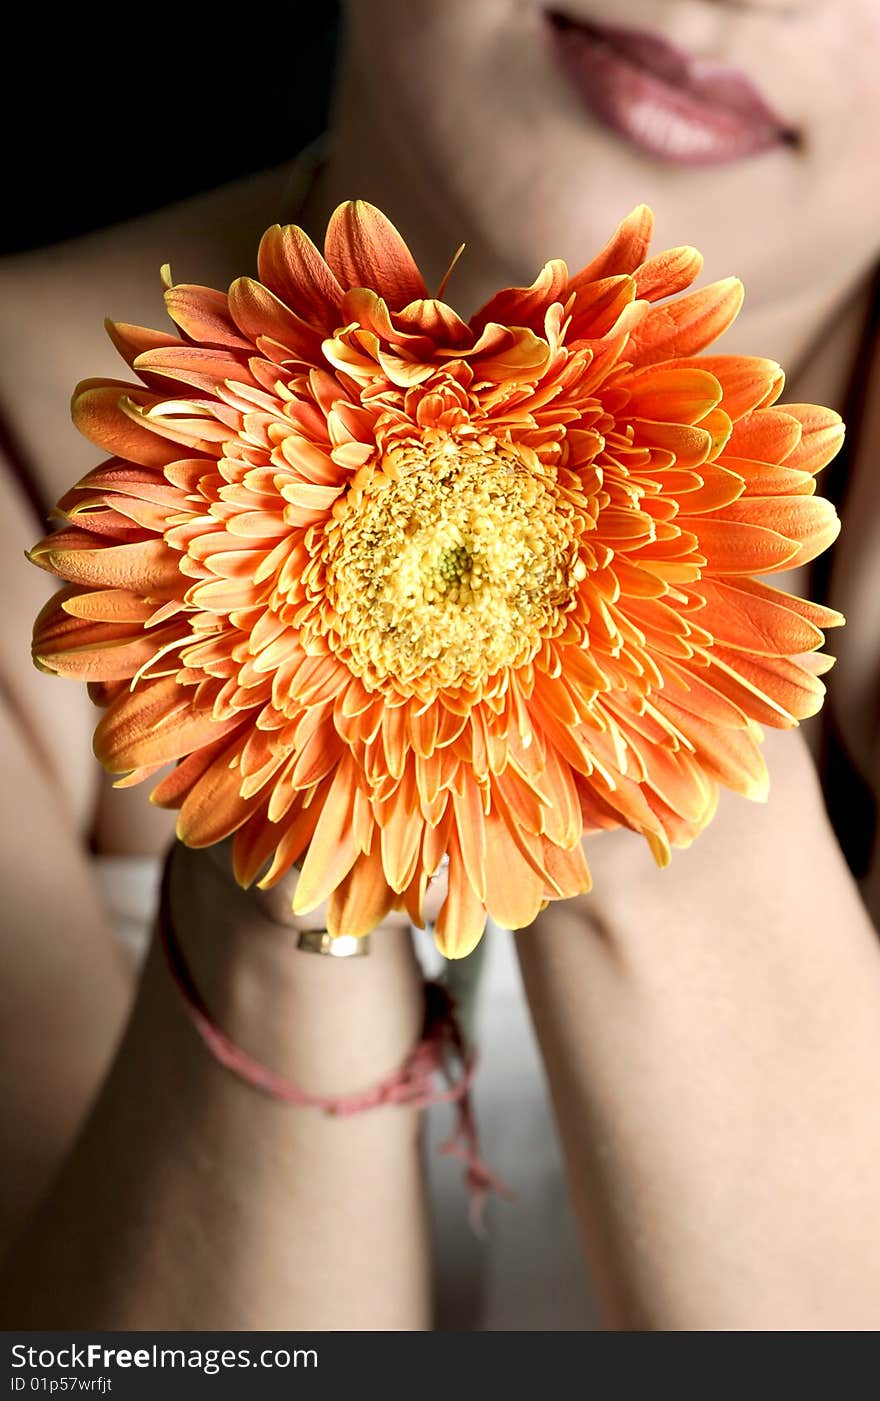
441	1049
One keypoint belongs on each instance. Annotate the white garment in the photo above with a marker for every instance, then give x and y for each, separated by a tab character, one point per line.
527	1273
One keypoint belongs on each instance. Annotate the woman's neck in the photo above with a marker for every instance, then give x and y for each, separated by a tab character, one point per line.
369	158
813	333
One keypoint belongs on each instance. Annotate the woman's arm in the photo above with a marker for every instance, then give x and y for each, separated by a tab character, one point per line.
192	1200
183	1198
65	988
712	1039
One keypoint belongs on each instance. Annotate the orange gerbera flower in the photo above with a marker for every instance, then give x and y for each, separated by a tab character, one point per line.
390	585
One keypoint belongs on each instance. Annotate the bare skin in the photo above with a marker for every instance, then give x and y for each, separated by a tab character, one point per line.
190	1200
711	1039
709	1031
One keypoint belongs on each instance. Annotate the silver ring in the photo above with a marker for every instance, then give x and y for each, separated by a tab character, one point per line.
334	946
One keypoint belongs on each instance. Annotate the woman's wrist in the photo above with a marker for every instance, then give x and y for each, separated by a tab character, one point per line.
332	1026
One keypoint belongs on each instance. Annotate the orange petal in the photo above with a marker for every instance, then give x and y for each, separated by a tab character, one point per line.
667	273
97	414
151	726
462	918
821	437
126	479
515	890
260	315
148	567
567	871
809	521
431	317
467	807
332	850
720	488
290	266
361	900
797	692
203	315
172	790
733	548
522	355
284	842
106	605
562	818
765	435
732	757
679	781
693	689
193	365
94	651
132	341
740	694
739	616
525	306
817	663
688	325
364	249
598	307
691	445
214	808
624	252
768	478
747	381
402	827
670	392
815	613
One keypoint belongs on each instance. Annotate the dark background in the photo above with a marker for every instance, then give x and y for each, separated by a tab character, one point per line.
106	114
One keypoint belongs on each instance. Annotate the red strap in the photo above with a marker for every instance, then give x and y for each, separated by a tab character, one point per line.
441	1049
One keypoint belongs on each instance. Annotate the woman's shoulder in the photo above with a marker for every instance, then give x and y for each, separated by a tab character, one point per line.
54	301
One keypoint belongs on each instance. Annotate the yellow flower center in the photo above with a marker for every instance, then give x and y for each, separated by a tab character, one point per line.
454	559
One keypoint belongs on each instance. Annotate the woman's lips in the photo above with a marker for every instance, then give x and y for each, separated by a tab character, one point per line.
667	103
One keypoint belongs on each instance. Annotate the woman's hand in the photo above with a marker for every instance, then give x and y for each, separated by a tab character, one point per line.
193	1199
712	1039
299	1012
